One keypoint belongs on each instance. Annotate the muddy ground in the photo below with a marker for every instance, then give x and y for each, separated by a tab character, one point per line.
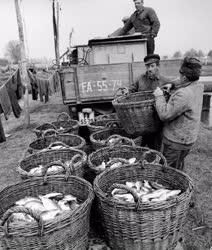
198	228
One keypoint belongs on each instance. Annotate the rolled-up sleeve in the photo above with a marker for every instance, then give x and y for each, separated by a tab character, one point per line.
176	106
127	27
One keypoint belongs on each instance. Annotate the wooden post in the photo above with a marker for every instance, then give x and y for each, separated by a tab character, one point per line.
23	62
56	6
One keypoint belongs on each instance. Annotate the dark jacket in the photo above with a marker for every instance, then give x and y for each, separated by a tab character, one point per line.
144	21
144	83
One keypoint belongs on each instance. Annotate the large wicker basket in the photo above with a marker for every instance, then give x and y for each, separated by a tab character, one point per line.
61	155
46	141
67	231
101	124
142	225
136	112
99	138
65	124
126	152
42	128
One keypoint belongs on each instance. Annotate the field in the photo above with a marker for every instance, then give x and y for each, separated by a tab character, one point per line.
198	228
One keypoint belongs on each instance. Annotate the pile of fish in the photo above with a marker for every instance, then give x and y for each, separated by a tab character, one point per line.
114	163
53	170
147	191
47	206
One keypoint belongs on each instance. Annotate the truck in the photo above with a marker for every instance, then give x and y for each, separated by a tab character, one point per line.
94	72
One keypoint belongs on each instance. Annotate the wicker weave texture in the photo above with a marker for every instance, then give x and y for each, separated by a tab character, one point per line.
45	157
40	129
143	225
70	140
136	113
126	152
67	231
99	138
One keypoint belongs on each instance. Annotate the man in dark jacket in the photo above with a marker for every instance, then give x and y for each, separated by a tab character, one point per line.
150	80
116	32
145	21
181	114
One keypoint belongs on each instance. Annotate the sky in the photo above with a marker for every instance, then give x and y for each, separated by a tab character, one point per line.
185	24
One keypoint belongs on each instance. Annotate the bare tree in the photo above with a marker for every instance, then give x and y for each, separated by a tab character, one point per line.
191	53
13	51
177	54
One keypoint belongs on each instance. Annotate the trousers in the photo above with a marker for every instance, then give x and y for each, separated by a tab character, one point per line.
150	45
175	153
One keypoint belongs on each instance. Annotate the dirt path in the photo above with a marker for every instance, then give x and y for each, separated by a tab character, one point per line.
198	229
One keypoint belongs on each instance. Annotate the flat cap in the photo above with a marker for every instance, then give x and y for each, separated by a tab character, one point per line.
153	58
191	68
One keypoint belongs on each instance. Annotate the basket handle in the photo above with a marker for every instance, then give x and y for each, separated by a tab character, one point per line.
58	143
51	131
120	139
122	186
121	92
63	117
159	156
68	170
21	209
113	124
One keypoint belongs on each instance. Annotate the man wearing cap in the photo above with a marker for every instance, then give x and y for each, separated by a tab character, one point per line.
145	21
181	114
152	78
116	32
150	81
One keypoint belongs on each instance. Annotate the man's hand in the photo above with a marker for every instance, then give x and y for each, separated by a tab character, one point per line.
158	92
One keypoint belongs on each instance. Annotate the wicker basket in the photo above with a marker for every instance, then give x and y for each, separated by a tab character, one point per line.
42	128
99	138
70	140
142	154
142	225
67	231
112	116
67	124
136	113
43	158
102	124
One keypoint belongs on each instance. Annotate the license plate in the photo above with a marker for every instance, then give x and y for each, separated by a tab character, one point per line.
85	118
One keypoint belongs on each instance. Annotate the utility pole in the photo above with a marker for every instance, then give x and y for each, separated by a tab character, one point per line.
56	19
23	61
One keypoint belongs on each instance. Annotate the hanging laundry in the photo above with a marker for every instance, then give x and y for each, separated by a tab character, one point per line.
43	89
34	84
5	103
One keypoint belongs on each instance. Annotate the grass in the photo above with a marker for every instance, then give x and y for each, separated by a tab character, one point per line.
198	167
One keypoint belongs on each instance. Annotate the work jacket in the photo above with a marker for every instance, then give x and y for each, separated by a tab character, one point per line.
144	21
182	113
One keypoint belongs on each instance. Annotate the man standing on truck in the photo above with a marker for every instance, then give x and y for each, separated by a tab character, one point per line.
150	80
181	114
145	21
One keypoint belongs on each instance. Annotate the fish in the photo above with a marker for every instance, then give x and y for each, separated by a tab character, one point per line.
64	205
57	147
35	206
23	201
115	165
21	217
124	197
55	196
49	215
156	185
49	204
132	160
55	169
69	197
167	195
118	191
36	171
101	167
155	194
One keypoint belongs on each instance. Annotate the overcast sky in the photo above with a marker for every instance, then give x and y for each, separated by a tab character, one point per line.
185	24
